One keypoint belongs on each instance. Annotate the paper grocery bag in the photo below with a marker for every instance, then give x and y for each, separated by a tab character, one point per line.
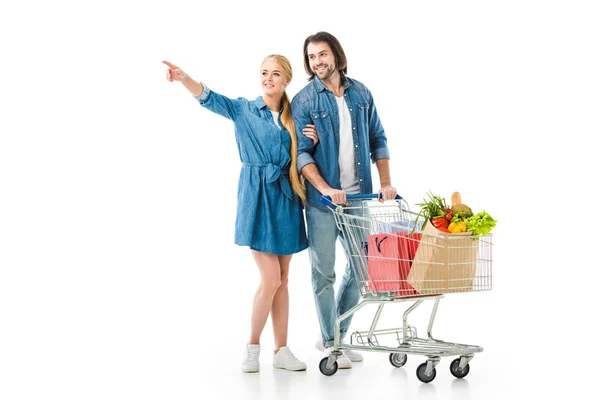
444	264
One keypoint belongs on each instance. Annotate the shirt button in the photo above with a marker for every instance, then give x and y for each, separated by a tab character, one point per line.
358	163
350	109
361	180
354	127
356	145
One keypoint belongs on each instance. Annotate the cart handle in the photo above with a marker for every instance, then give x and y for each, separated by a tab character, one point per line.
326	200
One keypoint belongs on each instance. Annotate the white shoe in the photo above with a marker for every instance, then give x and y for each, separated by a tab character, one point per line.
352	355
285	359
343	362
251	356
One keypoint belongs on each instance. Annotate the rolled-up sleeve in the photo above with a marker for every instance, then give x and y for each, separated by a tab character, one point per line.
305	145
303	160
204	95
381	153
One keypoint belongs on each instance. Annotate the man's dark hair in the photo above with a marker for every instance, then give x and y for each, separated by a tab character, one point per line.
341	64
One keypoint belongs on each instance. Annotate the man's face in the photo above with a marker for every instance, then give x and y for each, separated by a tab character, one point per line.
321	60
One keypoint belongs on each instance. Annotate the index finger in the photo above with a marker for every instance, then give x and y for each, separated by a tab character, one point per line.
310	126
170	65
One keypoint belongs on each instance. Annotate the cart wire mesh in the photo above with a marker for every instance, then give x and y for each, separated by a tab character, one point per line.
393	255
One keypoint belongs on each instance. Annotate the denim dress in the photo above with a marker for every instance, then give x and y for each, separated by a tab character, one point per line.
269	214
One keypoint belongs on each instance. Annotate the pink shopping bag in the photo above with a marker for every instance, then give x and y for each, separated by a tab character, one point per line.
390	258
383	254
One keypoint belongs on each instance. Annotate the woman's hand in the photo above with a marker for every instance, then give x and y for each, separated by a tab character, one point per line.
174	73
311	132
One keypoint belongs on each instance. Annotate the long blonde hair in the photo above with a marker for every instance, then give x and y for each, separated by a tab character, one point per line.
288	123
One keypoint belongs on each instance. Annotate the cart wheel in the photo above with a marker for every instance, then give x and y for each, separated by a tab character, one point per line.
327	371
397	359
423	377
458	373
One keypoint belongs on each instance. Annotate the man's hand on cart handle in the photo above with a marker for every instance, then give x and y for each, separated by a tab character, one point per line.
337	196
387	193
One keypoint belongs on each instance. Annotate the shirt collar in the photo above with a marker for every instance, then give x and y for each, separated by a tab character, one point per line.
320	86
260	103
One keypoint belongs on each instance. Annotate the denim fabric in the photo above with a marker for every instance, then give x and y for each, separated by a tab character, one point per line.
322	236
315	104
269	214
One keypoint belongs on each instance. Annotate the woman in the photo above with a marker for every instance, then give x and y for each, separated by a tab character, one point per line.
270	196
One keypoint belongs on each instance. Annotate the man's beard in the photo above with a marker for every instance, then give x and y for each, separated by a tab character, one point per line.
328	72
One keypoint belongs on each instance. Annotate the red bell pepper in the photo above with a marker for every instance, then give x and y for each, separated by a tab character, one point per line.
440	222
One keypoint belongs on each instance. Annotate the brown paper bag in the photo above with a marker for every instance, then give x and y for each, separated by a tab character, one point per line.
444	265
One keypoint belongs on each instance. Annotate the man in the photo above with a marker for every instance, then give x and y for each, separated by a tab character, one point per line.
350	133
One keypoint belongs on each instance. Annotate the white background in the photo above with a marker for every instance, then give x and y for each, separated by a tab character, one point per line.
118	274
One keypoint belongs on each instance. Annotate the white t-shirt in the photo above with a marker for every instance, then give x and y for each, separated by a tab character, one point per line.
276	118
348	176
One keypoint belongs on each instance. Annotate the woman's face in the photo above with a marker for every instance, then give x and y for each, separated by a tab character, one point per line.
272	79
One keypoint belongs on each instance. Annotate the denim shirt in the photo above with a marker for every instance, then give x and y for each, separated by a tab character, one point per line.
315	104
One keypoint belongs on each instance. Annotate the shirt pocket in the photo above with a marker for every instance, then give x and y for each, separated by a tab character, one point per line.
322	122
362	114
363	109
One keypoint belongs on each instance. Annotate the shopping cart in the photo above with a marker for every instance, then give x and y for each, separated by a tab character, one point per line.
394	261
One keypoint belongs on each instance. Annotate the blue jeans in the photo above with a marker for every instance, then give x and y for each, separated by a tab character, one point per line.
322	235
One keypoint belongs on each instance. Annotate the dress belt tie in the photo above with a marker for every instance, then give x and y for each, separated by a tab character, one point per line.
273	173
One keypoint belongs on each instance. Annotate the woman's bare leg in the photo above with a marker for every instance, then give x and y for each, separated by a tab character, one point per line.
281	305
270	275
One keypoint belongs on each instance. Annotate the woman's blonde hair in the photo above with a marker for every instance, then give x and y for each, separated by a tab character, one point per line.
288	123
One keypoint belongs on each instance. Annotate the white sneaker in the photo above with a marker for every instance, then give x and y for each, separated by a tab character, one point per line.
342	361
251	356
352	355
285	359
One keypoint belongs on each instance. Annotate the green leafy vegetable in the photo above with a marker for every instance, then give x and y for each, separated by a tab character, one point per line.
480	224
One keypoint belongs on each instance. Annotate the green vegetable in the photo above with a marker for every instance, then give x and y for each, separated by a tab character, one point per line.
434	208
480	224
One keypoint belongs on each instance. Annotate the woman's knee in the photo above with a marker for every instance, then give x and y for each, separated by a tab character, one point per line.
271	284
283	283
